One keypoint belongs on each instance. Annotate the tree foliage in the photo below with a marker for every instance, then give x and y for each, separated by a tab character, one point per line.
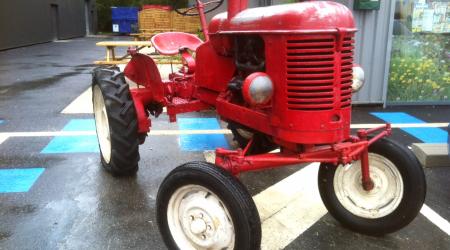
104	9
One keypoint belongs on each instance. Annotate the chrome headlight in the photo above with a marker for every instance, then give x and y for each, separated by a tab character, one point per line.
257	89
358	78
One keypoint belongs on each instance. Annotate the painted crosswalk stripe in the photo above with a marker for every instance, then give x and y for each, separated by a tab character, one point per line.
18	180
3	138
425	134
81	105
436	219
289	207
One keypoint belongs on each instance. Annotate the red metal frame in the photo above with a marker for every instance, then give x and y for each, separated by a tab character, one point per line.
308	55
236	161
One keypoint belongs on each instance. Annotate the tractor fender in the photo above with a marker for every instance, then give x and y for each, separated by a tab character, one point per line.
143	70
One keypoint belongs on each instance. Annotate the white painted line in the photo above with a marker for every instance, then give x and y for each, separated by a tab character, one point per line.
290	207
80	133
81	105
190	132
402	125
47	134
164	132
3	138
435	218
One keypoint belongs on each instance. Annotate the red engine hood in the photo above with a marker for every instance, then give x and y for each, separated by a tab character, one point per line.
313	16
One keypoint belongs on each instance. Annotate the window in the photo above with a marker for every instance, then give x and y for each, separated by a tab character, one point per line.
419	69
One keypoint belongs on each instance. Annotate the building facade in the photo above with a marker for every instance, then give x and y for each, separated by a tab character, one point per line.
25	22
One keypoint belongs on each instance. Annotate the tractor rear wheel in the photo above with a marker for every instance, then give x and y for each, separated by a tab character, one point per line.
396	199
115	121
242	135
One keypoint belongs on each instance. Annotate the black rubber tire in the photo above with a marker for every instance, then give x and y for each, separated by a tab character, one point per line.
414	190
261	143
227	188
122	121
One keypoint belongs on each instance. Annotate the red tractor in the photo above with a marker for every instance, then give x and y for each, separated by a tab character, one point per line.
281	77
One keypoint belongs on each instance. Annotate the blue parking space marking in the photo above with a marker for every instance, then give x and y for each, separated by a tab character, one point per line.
427	135
72	144
80	125
201	142
1	121
18	180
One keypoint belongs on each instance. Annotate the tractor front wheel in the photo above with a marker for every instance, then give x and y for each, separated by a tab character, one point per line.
201	206
115	121
396	199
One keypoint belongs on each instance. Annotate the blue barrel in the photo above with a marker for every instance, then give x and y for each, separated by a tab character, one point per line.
124	19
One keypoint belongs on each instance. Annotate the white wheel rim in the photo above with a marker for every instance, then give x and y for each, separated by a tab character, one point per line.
102	124
382	200
198	219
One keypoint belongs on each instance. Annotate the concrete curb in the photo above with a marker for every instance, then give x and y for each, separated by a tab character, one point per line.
432	154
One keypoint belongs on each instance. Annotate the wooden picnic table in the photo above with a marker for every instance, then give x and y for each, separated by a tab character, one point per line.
146	34
111	58
110	50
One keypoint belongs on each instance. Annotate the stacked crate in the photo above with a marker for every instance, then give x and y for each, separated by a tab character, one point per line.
155	20
188	24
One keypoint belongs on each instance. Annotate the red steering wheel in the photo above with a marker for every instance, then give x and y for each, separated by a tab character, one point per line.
193	11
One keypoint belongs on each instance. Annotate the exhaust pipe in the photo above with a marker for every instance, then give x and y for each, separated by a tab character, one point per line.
236	6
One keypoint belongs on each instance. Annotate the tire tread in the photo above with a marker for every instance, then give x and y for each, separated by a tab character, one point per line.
122	121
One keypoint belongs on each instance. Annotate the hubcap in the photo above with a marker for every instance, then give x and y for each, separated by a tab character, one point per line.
380	201
102	124
198	219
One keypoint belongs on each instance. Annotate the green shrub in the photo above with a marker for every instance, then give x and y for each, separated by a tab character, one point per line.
419	68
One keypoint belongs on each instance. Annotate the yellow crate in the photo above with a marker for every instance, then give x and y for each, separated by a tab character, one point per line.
150	19
154	20
189	24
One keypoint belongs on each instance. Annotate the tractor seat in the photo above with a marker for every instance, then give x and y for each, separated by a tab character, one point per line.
170	43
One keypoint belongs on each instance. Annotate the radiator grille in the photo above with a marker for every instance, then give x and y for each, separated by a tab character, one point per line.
347	71
311	65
